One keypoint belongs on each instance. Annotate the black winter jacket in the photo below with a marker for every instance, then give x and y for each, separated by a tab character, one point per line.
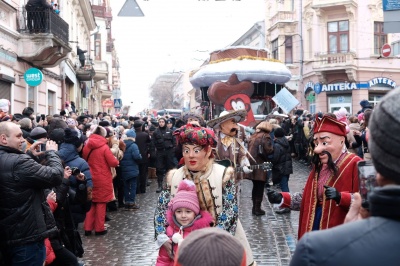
25	216
282	161
164	138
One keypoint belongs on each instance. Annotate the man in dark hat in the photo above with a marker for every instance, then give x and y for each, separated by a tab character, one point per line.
142	141
331	184
165	144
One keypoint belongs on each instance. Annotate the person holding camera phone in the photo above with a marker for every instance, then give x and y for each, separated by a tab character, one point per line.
69	153
368	237
331	184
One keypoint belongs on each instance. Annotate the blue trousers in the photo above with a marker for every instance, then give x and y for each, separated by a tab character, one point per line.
130	190
28	255
284	183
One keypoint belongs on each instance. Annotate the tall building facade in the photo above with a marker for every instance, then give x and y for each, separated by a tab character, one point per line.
334	50
50	41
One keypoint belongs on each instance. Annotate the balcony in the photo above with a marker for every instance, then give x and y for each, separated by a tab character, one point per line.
109	47
325	63
99	11
323	6
44	37
86	72
283	17
101	69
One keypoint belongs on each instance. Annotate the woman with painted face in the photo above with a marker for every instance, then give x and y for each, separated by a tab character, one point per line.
215	186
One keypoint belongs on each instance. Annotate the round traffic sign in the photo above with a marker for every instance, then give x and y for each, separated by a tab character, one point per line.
386	50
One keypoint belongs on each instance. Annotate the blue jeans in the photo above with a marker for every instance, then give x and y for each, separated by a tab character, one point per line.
28	255
285	183
130	190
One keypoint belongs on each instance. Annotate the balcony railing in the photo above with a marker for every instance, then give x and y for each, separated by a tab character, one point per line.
339	59
283	16
42	21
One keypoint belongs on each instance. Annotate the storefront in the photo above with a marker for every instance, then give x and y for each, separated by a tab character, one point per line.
331	97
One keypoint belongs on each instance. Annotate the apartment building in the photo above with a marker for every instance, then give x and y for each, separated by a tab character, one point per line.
46	43
334	51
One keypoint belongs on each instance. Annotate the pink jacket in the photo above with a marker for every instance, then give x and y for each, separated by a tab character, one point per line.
206	220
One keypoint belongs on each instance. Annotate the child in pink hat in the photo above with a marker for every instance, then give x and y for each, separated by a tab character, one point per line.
183	216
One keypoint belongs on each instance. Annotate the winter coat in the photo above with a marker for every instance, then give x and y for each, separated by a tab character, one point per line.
205	220
366	242
282	161
259	138
143	142
164	139
71	158
25	217
128	165
99	157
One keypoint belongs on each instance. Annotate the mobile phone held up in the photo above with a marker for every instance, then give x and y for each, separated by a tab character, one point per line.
367	180
42	147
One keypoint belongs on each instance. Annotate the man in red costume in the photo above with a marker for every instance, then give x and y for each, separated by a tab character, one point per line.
329	190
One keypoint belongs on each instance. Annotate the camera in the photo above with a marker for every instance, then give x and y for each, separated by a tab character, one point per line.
367	180
75	171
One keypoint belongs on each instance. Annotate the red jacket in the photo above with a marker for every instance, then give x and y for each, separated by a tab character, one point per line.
332	214
100	162
50	255
206	220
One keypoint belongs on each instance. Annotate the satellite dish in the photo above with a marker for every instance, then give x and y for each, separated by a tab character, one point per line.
130	9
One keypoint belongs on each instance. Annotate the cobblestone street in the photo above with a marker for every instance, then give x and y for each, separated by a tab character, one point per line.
130	240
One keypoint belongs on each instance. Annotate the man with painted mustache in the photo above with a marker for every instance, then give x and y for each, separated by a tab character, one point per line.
331	184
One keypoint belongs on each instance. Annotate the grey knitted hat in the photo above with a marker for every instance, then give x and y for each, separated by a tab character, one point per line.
384	141
212	247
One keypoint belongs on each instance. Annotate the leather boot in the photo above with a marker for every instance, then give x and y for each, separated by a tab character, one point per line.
253	210
257	208
159	187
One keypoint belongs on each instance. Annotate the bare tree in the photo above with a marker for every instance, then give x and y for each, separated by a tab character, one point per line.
163	92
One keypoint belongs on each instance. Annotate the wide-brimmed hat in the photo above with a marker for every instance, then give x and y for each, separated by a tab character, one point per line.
238	115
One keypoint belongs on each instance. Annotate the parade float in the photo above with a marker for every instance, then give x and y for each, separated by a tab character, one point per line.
239	77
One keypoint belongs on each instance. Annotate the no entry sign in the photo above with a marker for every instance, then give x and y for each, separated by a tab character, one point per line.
386	50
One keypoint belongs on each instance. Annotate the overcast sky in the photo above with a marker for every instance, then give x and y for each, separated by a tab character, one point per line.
174	35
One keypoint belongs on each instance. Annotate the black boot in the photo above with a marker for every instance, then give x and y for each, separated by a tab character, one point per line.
257	208
159	187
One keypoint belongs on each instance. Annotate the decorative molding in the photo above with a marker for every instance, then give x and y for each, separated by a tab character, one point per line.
351	74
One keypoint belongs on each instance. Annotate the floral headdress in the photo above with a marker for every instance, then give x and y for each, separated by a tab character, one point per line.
196	135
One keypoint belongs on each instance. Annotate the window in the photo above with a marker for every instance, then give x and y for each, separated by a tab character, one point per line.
97	46
310	41
380	38
374	99
31	97
396	48
51	102
338	37
275	49
288	50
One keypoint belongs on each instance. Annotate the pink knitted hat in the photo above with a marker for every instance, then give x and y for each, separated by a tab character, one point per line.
186	197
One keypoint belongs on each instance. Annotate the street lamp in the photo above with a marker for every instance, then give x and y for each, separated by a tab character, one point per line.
130	9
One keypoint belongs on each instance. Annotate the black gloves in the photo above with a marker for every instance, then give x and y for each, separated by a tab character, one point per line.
332	193
273	196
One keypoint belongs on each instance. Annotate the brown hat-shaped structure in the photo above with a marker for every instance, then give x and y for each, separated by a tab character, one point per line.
220	91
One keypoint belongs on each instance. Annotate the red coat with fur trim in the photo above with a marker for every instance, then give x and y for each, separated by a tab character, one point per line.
206	220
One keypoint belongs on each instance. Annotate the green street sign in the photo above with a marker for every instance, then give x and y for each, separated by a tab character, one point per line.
33	77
